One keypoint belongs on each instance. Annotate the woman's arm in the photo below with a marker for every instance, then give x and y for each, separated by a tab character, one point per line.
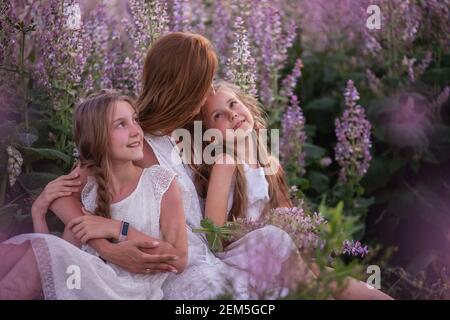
173	224
89	227
62	186
39	223
216	205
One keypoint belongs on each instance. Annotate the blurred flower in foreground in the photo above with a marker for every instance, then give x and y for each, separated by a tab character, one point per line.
408	121
353	248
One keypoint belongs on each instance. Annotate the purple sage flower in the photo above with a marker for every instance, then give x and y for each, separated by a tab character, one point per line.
241	68
293	137
352	151
355	249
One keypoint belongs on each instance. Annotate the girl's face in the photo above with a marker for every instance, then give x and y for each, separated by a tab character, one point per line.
223	111
126	135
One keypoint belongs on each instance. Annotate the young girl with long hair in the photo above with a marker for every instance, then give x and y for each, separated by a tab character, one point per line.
118	197
249	181
245	181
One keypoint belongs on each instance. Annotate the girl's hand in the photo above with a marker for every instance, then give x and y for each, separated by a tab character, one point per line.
91	226
62	186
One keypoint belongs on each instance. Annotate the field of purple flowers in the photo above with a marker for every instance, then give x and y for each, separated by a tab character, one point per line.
364	112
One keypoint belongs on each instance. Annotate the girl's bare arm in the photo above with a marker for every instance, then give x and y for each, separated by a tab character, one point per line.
173	225
219	185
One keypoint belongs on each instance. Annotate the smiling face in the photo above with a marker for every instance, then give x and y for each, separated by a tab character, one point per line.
225	112
126	135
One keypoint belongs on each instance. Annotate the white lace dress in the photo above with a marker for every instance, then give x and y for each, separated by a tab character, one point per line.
250	268
57	259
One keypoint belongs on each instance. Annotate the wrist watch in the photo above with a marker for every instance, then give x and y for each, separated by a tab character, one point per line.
123	231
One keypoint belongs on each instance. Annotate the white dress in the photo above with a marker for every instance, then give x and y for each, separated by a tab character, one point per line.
262	251
58	259
251	266
205	276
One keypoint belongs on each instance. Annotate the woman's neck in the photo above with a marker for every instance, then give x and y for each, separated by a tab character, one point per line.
122	176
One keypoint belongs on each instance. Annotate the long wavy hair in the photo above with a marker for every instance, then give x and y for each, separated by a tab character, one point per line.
178	73
278	188
91	133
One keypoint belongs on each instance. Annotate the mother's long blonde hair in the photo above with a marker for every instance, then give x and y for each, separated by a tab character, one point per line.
278	188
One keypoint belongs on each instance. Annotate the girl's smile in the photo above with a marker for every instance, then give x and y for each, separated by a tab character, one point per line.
224	111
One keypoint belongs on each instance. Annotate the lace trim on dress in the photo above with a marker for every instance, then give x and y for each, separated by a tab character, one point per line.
161	179
44	263
87	194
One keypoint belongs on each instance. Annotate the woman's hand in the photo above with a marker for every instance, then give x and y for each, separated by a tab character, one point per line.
62	186
130	256
91	226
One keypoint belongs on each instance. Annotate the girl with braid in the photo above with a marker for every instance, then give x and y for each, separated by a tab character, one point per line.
118	198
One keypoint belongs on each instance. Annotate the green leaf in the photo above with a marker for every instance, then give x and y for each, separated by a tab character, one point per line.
207	224
301	182
319	181
364	202
34	182
8	131
215	242
7	214
27	139
33	154
378	174
325	104
313	152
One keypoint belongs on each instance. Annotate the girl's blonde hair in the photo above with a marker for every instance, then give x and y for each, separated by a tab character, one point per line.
278	188
91	134
178	72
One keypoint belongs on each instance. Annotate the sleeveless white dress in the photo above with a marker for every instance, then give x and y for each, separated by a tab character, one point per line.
58	259
205	276
262	251
250	268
